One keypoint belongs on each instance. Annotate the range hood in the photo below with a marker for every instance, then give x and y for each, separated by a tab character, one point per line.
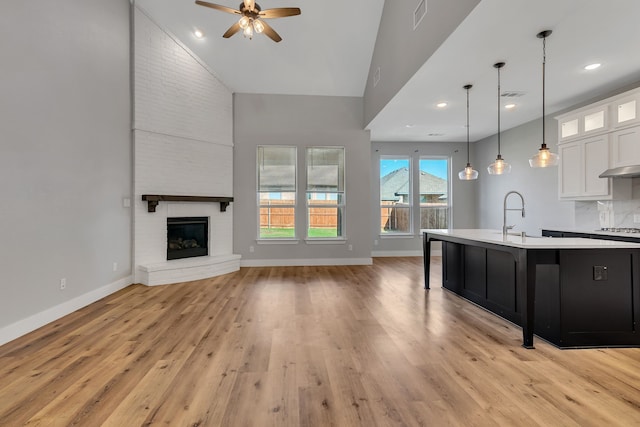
621	172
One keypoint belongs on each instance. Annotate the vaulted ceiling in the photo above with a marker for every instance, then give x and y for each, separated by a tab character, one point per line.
327	51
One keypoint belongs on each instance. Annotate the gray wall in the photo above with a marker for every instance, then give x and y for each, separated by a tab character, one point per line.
400	50
302	121
65	162
539	186
463	192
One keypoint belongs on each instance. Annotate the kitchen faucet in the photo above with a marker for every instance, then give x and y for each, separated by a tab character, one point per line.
505	227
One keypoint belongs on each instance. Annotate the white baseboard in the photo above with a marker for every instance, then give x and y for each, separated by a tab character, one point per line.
31	323
381	254
304	262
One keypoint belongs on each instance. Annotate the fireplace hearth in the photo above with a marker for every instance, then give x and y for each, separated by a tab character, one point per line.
187	237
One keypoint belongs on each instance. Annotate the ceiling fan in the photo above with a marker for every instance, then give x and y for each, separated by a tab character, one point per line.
252	18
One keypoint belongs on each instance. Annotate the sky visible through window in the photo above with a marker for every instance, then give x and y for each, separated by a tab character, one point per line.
437	167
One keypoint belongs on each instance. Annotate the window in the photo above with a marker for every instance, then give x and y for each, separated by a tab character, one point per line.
434	193
325	192
395	195
276	192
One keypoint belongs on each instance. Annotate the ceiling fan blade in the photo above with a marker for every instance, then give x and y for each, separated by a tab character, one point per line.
280	12
249	4
232	30
218	7
271	33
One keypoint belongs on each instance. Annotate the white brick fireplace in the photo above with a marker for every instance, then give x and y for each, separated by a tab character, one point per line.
183	145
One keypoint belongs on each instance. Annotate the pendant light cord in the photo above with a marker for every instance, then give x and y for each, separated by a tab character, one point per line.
499	111
544	62
468	126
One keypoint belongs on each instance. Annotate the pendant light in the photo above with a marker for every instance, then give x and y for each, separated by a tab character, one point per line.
468	173
499	167
544	158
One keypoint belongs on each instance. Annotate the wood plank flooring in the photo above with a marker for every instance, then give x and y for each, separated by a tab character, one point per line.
306	346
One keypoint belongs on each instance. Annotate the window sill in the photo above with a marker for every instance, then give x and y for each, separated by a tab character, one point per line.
397	236
326	241
277	241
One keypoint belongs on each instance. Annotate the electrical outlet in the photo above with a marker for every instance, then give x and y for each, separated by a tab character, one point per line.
600	272
251	248
350	247
63	283
636	217
375	242
115	266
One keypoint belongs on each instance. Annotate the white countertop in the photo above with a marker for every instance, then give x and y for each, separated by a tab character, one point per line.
529	242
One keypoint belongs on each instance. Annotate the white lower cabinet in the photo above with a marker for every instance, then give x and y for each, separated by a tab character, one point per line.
581	163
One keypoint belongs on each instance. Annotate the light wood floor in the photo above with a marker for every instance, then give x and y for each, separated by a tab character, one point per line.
306	346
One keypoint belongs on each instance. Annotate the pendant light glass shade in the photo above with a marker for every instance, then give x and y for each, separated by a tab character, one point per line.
499	167
544	158
468	173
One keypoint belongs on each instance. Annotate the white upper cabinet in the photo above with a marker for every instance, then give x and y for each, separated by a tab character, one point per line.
626	111
580	164
617	112
584	123
593	139
625	147
568	128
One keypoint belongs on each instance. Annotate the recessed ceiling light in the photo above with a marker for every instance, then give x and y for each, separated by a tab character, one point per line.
441	104
510	106
408	126
198	33
592	66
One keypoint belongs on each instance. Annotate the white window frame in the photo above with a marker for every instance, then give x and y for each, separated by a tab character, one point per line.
409	205
294	205
449	188
340	202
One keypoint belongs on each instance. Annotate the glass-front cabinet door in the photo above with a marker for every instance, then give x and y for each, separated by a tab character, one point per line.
626	111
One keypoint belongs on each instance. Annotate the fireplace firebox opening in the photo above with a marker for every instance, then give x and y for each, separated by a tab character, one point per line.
187	237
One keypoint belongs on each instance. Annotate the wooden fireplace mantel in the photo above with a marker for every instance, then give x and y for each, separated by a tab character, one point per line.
153	200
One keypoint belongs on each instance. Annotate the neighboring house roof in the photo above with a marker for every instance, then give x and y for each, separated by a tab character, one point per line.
396	184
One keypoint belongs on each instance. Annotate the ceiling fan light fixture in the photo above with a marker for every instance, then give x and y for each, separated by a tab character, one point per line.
248	32
244	22
258	26
250	22
544	158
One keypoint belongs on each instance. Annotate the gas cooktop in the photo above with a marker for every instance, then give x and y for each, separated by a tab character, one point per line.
620	230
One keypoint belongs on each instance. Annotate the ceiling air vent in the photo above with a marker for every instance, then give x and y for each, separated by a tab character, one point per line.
419	13
512	94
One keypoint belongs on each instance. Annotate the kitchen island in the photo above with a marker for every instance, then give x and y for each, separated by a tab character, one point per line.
573	292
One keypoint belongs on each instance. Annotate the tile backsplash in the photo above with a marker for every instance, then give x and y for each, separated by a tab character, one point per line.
616	213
